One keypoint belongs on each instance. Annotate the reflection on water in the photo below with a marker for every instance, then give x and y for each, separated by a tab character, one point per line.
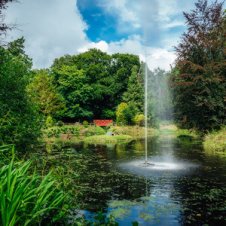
138	166
183	187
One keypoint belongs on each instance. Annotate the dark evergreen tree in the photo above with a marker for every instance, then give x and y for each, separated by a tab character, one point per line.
135	91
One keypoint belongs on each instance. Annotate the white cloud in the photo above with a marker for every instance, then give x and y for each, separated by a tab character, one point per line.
51	28
102	45
155	57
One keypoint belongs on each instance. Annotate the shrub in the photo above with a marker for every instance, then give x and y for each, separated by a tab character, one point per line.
49	121
216	141
59	123
125	114
85	123
139	119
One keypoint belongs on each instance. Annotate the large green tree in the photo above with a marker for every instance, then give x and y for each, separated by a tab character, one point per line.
19	121
98	83
135	91
44	93
199	76
72	85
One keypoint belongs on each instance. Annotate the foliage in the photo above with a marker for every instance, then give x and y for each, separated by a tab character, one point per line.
99	219
75	130
92	83
72	85
215	141
43	92
85	123
19	121
28	199
49	121
135	92
106	139
199	77
136	132
125	114
120	116
139	119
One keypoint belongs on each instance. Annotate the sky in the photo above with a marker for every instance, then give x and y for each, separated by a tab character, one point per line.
53	28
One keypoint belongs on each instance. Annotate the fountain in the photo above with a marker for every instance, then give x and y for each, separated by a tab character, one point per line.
165	161
146	163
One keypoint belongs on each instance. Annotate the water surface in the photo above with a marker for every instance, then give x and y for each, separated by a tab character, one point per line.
182	186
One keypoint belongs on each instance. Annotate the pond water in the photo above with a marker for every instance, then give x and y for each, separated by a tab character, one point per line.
183	185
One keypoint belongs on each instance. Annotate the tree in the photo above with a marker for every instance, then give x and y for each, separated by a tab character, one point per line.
199	76
44	93
104	80
121	70
19	121
135	92
72	85
125	114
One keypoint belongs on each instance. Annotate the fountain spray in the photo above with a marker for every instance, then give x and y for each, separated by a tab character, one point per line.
146	110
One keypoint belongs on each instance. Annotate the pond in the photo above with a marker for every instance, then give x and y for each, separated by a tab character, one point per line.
183	185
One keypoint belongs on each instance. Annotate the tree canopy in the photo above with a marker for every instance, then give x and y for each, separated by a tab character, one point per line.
19	121
93	83
199	76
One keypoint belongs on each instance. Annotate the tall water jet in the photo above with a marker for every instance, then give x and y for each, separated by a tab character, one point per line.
146	110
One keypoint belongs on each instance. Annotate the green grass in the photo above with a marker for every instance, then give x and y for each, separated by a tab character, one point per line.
105	139
216	141
136	132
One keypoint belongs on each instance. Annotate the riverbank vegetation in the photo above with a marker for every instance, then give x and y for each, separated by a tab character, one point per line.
215	141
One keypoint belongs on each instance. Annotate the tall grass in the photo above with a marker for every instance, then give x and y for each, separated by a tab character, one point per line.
28	199
216	141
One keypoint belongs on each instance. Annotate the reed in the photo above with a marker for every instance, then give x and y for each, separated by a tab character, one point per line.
26	198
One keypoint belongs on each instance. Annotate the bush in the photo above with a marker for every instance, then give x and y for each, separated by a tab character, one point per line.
49	121
139	119
216	141
125	114
59	123
85	123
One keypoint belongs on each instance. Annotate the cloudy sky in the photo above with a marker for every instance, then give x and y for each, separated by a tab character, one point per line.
53	28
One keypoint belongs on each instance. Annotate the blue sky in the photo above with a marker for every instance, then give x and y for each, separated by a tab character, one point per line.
105	21
53	28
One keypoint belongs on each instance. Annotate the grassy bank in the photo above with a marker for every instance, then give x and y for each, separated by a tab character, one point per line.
71	133
136	132
95	134
105	139
215	141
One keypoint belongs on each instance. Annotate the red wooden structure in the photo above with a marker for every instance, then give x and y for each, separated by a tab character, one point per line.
103	122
